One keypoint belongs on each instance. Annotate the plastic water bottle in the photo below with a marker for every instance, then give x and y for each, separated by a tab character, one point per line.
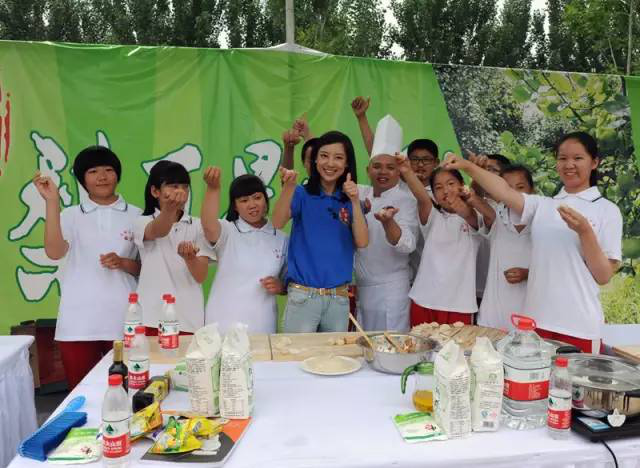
170	329
132	319
165	298
559	412
527	365
116	413
138	361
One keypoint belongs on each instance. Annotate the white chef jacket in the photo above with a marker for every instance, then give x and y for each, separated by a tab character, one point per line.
245	255
509	249
416	255
562	295
446	278
93	298
382	270
165	272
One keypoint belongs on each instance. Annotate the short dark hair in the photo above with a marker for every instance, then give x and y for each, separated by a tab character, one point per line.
244	186
95	156
425	144
313	186
502	161
163	172
511	168
438	170
307	144
590	144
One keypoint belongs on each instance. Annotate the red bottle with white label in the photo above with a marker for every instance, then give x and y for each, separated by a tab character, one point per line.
170	340
559	412
138	361
527	365
132	319
116	413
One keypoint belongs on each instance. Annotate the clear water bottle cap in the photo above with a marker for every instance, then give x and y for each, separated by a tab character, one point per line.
133	298
523	323
562	362
115	380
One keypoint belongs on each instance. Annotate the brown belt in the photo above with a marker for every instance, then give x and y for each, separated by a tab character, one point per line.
342	291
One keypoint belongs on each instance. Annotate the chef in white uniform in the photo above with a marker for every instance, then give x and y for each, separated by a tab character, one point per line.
383	272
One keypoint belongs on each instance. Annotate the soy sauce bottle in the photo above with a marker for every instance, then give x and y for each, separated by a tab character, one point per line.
119	367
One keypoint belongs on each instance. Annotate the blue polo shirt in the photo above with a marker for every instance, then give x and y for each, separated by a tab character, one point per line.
321	245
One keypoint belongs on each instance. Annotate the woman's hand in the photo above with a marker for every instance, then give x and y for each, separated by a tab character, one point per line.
351	189
212	177
575	221
272	285
516	275
188	250
45	186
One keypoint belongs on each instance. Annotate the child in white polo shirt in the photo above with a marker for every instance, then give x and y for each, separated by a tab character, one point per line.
576	240
96	241
509	259
251	255
170	242
444	288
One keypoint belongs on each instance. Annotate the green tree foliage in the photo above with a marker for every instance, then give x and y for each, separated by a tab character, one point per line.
444	31
539	56
22	20
510	46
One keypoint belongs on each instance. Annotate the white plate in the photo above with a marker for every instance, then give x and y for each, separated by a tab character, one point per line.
307	365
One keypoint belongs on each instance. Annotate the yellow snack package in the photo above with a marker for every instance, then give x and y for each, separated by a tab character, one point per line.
203	427
145	421
175	439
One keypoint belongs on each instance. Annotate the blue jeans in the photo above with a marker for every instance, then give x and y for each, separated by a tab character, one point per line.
308	312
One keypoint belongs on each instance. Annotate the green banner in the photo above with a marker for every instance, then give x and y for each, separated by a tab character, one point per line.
230	107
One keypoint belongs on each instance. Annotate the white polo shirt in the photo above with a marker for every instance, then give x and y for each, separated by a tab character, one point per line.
245	255
509	249
562	295
446	279
416	255
165	272
381	262
93	298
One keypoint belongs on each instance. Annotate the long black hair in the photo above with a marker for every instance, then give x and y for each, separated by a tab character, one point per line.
313	186
307	144
244	186
163	172
590	145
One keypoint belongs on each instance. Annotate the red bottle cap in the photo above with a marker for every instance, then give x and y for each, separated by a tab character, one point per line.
523	323
166	296
115	380
133	298
171	300
140	330
562	362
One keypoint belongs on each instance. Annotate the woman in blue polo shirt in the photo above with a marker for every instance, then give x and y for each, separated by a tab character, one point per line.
328	225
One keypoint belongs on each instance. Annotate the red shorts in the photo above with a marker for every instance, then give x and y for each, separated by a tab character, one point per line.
79	357
152	331
421	314
586	346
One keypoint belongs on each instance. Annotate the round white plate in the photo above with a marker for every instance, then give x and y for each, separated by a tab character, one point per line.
307	365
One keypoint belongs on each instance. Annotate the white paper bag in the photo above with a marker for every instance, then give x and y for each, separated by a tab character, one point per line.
452	391
203	370
236	374
487	384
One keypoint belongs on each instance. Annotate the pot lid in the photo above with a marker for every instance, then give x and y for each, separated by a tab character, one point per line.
603	372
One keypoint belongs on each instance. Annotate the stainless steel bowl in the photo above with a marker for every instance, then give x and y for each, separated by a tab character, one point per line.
393	362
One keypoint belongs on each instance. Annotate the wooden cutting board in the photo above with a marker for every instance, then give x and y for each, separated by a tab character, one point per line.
300	346
464	336
260	349
631	352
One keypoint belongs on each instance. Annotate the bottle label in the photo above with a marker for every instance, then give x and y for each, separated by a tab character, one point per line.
559	413
577	396
138	373
129	332
526	384
115	438
170	336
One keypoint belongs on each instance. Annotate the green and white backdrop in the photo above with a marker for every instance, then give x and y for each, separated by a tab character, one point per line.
229	108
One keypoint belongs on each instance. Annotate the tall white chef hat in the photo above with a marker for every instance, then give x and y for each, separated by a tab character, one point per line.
388	138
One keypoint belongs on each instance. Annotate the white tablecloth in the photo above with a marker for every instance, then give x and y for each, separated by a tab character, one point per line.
303	420
17	405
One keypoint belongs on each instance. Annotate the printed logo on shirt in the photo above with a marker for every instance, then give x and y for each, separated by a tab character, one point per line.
464	228
127	235
342	215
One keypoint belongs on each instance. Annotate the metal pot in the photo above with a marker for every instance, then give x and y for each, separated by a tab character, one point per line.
603	383
391	362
